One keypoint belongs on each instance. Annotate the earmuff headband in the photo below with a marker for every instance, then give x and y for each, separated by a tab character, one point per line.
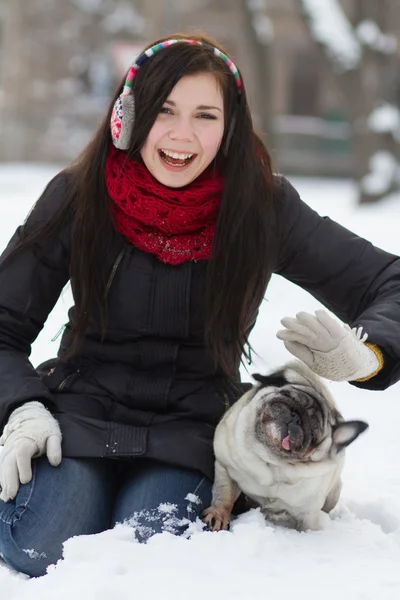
123	114
157	47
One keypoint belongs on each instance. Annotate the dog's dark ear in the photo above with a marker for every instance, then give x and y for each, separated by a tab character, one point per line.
275	379
345	433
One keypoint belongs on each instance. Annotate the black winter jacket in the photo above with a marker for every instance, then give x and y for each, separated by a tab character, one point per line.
150	388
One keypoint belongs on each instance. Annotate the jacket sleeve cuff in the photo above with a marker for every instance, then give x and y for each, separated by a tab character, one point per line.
379	355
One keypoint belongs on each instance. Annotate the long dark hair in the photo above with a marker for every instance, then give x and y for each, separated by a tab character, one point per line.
242	254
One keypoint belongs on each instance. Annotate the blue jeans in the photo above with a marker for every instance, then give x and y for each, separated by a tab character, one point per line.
86	496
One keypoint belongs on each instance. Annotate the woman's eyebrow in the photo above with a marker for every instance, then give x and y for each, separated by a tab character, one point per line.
205	107
200	107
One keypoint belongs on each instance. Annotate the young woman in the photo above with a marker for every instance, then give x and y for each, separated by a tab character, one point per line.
169	226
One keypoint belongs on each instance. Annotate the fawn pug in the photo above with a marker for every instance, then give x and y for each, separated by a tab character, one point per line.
283	445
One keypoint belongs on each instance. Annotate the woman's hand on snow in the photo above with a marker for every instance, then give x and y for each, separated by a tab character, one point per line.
330	349
30	432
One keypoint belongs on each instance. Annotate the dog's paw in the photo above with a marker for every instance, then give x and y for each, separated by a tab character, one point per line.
217	517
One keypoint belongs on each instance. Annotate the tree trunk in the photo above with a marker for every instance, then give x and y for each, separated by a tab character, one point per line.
260	52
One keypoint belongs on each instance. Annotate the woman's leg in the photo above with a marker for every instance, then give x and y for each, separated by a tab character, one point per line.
74	498
156	497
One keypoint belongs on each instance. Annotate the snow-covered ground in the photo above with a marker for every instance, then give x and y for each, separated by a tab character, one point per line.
356	556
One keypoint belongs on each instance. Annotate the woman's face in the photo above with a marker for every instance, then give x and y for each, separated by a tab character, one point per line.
187	133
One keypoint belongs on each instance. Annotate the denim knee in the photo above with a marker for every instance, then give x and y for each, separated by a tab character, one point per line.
22	547
58	503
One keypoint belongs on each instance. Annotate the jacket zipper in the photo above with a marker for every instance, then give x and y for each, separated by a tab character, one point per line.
113	271
109	282
226	401
75	374
108	286
64	383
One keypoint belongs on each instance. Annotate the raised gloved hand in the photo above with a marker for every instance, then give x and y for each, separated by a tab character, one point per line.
30	432
330	349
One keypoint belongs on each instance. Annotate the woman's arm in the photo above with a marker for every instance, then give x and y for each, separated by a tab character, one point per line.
357	281
30	285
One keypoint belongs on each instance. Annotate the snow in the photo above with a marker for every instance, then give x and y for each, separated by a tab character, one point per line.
369	34
264	29
355	557
261	23
384	170
385	119
330	27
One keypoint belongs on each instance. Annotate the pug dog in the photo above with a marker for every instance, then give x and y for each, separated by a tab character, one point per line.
283	445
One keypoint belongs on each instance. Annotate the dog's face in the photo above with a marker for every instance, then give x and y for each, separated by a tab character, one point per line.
296	418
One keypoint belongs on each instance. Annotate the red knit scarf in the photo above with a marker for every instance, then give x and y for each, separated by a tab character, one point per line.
175	224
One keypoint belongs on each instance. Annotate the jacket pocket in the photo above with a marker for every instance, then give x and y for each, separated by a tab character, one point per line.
67	382
60	377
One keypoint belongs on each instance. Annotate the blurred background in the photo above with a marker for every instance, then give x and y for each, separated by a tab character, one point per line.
323	76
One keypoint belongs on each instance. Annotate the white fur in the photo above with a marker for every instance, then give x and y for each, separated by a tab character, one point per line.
299	488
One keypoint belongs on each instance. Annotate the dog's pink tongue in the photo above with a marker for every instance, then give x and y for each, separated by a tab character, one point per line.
286	442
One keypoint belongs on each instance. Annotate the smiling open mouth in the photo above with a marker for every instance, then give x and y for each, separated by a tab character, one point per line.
176	159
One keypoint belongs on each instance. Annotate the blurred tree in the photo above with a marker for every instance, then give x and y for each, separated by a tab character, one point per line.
259	31
57	72
364	60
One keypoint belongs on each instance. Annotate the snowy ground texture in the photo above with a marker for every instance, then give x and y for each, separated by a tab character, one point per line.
356	556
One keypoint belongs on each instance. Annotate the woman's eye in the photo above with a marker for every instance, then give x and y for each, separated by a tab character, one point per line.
206	116
166	111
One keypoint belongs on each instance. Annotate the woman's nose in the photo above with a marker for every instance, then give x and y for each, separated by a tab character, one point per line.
181	130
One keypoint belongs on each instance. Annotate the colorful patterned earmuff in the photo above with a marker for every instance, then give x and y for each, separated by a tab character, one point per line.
123	114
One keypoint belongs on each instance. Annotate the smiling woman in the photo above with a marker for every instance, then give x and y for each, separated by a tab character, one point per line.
169	226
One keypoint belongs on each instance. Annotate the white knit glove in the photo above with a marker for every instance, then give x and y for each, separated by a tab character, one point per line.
330	349
30	432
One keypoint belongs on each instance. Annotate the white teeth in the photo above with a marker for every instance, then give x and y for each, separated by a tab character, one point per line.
177	155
